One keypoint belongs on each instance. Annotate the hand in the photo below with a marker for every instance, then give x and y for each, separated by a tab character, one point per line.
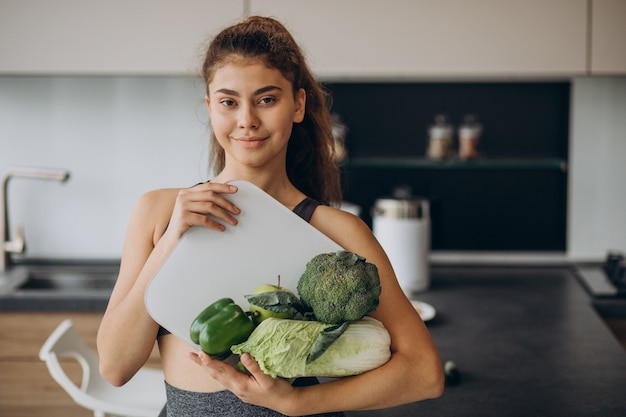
194	205
255	388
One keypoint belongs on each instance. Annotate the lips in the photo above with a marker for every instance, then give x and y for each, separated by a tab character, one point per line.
251	141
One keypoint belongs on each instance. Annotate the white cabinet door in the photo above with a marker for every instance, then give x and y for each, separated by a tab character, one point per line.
108	36
608	37
445	38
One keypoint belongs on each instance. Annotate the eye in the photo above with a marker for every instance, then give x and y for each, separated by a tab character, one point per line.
267	100
227	102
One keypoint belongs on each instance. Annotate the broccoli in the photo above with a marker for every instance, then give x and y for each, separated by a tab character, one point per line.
339	287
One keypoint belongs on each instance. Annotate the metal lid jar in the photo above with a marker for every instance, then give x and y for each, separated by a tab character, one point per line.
440	138
401	208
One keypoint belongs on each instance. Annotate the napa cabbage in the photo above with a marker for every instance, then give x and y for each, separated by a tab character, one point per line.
281	348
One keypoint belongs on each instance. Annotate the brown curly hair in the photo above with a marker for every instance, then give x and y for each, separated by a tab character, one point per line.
310	153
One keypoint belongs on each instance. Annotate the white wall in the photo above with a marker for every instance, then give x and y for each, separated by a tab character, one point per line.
597	180
122	136
119	137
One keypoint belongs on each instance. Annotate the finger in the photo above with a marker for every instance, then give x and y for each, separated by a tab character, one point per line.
215	187
187	219
195	357
210	208
195	206
205	360
217	369
225	374
213	196
253	367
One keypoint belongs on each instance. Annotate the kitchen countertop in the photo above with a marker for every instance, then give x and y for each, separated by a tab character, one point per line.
527	342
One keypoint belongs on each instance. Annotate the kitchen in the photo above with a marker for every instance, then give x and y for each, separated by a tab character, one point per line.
74	102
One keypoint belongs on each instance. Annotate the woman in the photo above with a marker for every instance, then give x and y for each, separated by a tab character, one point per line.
271	126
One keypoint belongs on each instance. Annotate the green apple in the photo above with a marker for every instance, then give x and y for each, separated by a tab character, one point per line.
269	288
259	313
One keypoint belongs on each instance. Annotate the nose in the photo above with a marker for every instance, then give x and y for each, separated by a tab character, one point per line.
248	117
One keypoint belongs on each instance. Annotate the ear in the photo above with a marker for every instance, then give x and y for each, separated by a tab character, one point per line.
208	103
300	106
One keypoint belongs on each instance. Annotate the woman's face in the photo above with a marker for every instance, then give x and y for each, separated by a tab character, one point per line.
252	110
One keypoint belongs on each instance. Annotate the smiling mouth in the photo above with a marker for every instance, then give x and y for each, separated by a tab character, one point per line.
251	141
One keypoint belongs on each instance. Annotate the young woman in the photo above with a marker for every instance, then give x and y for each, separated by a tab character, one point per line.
271	126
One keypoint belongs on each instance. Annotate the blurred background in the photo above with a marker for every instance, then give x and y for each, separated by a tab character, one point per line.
109	91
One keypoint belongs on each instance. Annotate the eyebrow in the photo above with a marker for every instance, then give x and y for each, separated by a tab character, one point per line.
261	90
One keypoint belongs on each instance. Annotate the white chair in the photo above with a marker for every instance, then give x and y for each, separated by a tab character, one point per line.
142	396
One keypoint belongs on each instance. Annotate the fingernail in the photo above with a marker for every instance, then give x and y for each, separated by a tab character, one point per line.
233	188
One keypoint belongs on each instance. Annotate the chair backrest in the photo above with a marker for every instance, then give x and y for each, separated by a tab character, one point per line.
142	396
64	342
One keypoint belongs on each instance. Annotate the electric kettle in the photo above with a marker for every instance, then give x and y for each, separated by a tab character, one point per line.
402	227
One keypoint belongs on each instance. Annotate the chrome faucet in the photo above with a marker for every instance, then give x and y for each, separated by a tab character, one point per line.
17	245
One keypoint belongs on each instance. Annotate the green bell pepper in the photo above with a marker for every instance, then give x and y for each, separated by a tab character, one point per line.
220	326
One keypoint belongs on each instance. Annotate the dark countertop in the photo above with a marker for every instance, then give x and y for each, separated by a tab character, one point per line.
527	342
610	308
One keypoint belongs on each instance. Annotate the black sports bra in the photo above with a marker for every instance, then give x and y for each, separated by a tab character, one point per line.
304	209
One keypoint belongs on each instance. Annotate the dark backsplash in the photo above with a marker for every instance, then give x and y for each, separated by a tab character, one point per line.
508	208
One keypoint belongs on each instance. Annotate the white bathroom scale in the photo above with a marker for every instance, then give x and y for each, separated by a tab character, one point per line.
206	265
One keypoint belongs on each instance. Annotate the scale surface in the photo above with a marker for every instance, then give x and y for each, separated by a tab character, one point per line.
206	265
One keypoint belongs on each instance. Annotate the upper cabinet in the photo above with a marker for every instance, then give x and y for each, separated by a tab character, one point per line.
109	37
347	39
608	37
449	38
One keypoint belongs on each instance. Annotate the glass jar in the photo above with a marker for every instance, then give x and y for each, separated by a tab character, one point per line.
440	138
469	136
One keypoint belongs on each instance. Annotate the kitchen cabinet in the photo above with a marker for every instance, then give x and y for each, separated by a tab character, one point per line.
452	38
357	39
110	37
26	387
608	37
512	199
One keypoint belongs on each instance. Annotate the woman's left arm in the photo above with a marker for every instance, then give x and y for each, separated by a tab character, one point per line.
413	373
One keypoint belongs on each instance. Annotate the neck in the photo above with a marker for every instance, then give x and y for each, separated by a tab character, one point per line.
275	184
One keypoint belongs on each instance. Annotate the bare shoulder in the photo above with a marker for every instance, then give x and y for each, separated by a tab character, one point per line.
159	196
346	229
154	208
157	200
334	217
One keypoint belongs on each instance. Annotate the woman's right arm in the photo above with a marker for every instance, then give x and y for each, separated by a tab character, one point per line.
127	332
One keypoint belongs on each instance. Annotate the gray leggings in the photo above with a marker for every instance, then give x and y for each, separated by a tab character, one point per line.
182	403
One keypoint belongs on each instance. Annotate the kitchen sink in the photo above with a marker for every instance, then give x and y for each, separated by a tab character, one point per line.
85	278
58	286
66	278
